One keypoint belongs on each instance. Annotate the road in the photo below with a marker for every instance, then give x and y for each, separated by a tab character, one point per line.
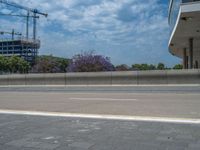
57	133
174	108
112	101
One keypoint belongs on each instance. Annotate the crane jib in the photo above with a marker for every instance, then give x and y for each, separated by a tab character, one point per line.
23	7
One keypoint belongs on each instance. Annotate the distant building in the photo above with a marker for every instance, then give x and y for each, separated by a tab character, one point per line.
22	47
184	21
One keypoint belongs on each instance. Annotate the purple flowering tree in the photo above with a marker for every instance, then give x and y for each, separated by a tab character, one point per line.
89	62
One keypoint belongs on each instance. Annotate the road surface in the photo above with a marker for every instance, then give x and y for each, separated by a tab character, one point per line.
42	118
183	102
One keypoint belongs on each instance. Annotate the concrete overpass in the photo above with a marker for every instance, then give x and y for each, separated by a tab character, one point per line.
184	21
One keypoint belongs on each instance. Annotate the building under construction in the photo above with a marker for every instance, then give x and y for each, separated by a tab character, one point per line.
22	47
26	48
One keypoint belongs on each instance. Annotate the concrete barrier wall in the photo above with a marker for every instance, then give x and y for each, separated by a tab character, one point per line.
35	79
152	77
3	80
55	79
125	78
77	79
17	80
106	78
183	77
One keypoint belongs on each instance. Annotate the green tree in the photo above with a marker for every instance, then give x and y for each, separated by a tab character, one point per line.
152	67
18	65
50	64
136	67
23	66
178	67
3	64
122	67
13	64
143	67
161	66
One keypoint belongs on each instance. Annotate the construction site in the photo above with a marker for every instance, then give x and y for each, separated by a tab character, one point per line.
15	43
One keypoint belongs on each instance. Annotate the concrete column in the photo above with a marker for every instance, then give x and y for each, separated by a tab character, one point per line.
187	62
191	52
184	59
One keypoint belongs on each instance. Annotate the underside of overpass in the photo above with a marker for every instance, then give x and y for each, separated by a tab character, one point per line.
185	38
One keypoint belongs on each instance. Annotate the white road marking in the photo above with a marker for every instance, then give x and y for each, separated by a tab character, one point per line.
114	85
103	99
107	117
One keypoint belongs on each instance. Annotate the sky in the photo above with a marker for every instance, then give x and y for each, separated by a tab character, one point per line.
127	31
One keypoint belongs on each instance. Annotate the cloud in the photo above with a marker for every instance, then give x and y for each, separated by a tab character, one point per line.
112	27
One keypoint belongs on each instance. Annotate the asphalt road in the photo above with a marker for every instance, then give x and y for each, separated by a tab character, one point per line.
171	105
57	133
29	132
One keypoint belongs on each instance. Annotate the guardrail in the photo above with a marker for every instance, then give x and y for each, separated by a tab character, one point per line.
106	78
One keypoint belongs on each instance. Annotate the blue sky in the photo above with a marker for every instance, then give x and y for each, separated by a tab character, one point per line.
127	31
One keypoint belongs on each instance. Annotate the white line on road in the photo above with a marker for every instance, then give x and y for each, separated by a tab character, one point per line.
115	85
103	99
107	117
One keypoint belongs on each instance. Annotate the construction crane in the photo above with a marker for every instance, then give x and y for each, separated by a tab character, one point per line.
23	16
29	10
13	33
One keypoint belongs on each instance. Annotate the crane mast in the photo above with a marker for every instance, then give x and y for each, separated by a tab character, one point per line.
26	48
29	10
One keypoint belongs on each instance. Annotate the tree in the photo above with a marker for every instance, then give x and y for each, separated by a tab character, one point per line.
18	65
143	67
89	62
122	67
3	64
13	64
178	67
62	64
50	64
24	66
161	66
